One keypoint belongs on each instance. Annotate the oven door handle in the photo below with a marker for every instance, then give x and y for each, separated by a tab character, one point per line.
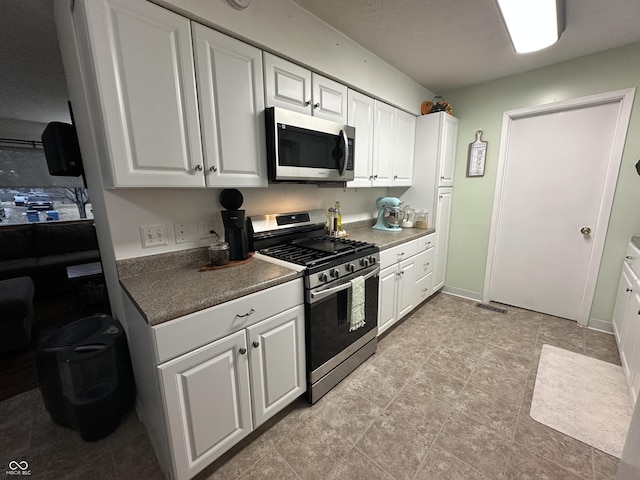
315	296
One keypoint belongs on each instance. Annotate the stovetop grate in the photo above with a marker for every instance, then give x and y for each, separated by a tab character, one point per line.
318	250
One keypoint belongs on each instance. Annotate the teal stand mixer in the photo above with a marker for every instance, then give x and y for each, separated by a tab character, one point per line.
390	214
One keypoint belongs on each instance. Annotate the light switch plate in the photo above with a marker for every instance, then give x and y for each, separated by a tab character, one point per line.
153	235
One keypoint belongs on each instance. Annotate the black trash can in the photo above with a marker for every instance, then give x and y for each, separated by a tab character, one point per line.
85	376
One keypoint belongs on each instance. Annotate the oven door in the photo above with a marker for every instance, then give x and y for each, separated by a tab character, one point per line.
329	341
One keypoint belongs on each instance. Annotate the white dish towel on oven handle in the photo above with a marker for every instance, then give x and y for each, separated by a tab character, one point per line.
355	303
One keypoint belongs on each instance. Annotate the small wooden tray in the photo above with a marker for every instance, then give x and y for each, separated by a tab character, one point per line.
232	263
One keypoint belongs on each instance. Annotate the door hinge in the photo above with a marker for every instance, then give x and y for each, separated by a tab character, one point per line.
72	5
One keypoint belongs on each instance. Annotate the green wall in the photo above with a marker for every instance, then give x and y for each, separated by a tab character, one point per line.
481	107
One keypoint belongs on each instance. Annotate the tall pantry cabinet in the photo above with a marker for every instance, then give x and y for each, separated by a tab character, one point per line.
434	159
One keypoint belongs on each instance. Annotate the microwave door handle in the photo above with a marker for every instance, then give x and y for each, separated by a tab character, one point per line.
343	160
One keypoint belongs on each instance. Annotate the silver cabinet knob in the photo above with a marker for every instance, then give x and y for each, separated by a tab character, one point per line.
585	231
198	168
255	344
242	351
213	169
316	105
307	103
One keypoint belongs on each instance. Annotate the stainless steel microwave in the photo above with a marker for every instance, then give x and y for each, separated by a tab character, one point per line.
306	149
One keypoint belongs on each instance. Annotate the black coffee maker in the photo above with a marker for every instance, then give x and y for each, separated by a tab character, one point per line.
235	233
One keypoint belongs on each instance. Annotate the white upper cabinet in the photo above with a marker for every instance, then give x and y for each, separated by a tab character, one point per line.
287	85
329	99
231	98
446	156
383	146
294	87
385	138
144	74
360	116
405	133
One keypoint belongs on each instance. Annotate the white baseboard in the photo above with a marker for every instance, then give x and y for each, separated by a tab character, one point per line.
600	325
460	292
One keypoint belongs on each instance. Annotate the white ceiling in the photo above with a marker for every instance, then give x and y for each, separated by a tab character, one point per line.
447	44
442	44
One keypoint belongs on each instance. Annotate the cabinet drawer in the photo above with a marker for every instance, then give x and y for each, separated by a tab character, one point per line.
184	334
426	242
424	263
424	288
398	253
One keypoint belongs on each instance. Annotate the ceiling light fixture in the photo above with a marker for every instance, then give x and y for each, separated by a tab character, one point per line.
533	24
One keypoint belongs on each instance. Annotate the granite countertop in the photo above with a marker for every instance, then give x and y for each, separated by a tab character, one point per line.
168	286
363	232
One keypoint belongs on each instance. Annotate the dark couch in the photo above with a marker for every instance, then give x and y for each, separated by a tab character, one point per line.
42	251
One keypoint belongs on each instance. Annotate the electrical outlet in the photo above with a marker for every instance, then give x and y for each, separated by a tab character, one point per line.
153	235
205	229
181	230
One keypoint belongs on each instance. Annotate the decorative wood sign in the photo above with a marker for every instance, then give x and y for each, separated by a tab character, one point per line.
477	156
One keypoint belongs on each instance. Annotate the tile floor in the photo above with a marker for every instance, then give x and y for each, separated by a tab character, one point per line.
446	396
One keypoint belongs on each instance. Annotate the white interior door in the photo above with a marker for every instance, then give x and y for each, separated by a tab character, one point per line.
557	174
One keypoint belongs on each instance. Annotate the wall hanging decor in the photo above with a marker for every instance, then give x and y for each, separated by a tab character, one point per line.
477	156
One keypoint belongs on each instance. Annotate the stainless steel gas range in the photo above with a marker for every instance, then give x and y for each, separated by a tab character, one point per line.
340	276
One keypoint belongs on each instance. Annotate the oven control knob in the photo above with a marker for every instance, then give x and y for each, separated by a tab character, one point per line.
350	267
372	259
323	277
364	262
334	273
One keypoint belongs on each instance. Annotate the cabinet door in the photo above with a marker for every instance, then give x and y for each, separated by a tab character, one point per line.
403	149
406	287
383	147
144	70
630	350
625	290
387	298
208	405
231	99
447	154
287	85
360	116
277	358
329	99
443	221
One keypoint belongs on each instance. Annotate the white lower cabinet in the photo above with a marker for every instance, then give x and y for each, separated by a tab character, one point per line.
626	320
277	363
208	403
206	380
217	394
442	226
405	279
424	273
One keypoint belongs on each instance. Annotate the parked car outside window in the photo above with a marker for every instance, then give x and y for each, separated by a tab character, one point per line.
39	202
20	199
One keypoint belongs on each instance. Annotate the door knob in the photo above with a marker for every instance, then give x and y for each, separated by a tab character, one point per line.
585	231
